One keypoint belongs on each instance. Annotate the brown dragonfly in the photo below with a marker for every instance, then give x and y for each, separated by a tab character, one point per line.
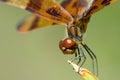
75	14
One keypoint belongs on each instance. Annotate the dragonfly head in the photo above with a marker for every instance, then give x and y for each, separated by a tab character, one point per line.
68	45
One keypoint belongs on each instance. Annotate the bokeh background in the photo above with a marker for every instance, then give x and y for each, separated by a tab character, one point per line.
36	55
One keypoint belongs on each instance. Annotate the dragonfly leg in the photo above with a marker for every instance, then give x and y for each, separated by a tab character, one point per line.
76	57
93	57
81	55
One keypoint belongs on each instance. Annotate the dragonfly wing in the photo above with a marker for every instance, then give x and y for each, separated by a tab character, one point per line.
47	9
98	5
77	8
33	23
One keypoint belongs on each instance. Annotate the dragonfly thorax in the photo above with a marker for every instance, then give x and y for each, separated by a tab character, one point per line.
75	32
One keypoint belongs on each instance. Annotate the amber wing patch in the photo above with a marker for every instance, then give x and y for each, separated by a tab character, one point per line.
33	23
47	9
77	8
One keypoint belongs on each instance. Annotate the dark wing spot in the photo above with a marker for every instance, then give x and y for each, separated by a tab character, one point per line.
76	4
4	0
80	3
105	2
65	3
92	9
52	11
33	7
35	23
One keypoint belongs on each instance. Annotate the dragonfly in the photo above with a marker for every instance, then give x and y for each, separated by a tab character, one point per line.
74	14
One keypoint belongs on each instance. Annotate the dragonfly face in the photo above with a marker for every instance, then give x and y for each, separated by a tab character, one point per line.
73	13
68	45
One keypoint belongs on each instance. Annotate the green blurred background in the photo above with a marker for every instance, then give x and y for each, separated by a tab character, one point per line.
36	55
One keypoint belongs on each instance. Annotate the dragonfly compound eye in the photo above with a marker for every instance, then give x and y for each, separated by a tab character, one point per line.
67	46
